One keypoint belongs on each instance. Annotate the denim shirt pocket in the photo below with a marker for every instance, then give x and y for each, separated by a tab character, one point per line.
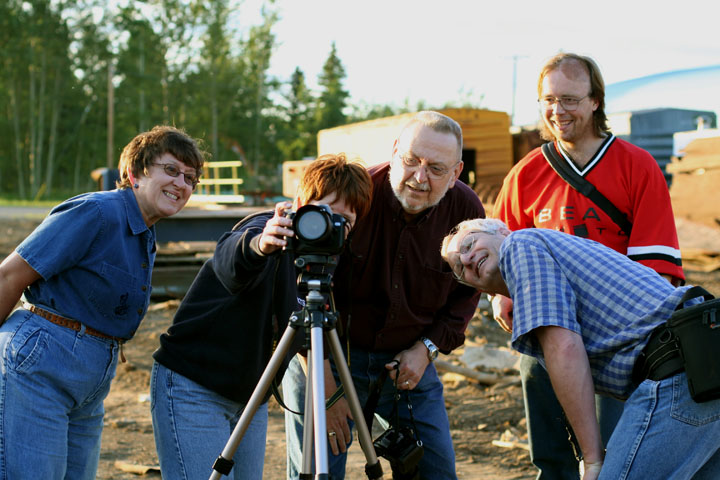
116	295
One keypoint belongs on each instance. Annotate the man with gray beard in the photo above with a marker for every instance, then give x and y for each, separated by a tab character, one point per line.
397	300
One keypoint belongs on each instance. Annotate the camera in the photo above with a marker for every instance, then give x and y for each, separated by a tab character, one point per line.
318	231
402	450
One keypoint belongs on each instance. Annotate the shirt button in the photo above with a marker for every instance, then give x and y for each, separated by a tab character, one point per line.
144	288
400	256
392	316
140	311
144	265
395	286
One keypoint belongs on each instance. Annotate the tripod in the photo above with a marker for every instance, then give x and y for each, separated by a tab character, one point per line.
315	320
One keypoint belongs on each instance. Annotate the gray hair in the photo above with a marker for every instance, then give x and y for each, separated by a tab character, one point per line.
491	226
440	123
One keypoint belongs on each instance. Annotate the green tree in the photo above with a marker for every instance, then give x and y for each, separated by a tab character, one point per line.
298	139
333	97
139	103
36	76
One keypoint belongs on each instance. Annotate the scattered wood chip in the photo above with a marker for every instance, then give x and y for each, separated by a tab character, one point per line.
135	468
510	439
163	305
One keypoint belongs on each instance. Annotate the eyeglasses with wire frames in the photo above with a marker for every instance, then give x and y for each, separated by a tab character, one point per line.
191	178
433	170
466	246
568	104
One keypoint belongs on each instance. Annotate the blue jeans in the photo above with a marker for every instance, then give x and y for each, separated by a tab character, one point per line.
431	420
52	385
551	450
664	434
192	425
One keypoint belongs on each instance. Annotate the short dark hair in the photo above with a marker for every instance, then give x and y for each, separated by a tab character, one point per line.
331	173
146	147
597	85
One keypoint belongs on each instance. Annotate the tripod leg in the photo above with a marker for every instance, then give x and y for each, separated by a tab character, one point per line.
224	463
307	448
373	468
318	397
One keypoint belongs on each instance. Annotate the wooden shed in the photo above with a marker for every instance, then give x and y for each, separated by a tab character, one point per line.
696	175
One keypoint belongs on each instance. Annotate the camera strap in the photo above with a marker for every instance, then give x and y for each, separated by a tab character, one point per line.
374	397
583	186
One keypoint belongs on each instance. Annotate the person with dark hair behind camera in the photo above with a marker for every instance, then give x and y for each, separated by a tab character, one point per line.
213	355
398	302
84	276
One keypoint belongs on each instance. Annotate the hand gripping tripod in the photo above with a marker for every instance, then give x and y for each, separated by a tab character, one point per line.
316	321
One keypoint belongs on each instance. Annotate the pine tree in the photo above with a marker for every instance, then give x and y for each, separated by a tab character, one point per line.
333	98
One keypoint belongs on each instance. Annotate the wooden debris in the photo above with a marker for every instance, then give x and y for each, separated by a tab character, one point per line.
480	377
701	260
510	439
135	468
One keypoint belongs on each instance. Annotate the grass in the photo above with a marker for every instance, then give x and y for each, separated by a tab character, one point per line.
56	198
12	202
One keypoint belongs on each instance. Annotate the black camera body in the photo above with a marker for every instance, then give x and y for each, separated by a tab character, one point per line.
402	450
318	231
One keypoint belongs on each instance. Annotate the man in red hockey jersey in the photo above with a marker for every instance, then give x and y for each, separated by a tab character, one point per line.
535	194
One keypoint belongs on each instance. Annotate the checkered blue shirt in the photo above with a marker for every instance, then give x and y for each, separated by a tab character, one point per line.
612	302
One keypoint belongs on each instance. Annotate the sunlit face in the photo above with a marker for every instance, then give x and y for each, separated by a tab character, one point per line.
424	167
340	207
158	194
569	82
474	259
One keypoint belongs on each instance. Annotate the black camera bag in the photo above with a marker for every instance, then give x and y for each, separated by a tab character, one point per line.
697	329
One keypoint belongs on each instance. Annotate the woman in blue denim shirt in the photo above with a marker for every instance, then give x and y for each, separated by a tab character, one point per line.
84	276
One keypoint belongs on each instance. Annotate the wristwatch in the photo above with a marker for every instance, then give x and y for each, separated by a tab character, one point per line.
432	349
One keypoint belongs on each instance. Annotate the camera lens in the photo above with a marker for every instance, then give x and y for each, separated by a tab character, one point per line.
312	225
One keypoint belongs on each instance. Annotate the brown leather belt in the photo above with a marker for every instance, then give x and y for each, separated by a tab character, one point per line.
67	322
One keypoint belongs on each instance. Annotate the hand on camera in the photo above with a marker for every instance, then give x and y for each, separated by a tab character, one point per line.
276	229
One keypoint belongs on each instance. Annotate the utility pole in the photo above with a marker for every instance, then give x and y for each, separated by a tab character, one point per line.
515	59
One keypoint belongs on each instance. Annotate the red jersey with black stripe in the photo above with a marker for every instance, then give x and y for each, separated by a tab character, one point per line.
534	195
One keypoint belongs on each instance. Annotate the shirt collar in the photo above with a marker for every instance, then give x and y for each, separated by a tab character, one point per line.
134	215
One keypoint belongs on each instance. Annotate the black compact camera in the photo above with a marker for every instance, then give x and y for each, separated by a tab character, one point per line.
402	450
318	231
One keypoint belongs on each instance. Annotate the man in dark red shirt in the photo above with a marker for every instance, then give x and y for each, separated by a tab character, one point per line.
397	298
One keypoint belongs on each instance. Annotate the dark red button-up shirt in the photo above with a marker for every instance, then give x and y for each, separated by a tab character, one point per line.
394	286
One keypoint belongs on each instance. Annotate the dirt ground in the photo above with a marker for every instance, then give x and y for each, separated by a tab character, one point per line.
479	414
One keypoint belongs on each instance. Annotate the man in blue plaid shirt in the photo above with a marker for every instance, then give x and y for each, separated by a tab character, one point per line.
587	312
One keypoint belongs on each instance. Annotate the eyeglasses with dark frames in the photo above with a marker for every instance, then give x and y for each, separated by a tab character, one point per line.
433	170
190	178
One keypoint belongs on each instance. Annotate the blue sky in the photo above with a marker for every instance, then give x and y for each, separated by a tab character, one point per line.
401	50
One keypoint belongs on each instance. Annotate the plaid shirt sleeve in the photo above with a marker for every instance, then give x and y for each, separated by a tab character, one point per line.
556	279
